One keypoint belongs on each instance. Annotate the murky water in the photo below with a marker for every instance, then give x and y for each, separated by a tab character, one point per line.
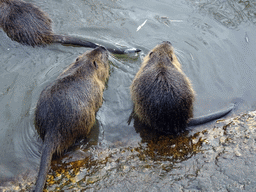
215	42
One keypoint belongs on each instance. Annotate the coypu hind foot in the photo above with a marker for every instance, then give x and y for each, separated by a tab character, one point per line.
162	94
27	24
66	108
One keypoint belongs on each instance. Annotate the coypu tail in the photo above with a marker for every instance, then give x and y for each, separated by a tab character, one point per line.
210	117
46	158
69	40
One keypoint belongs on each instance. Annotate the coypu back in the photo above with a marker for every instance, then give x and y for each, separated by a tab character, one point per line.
27	24
66	108
162	94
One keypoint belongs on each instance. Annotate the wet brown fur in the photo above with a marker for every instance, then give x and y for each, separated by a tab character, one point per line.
162	94
25	23
66	108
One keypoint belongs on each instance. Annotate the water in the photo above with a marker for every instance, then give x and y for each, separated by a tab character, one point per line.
215	43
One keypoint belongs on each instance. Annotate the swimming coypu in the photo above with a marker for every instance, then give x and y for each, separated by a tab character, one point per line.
163	95
66	108
27	24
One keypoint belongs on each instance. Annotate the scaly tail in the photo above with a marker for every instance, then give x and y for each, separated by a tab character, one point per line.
46	158
210	117
69	40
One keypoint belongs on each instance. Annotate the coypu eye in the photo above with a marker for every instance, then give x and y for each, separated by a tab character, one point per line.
77	59
171	58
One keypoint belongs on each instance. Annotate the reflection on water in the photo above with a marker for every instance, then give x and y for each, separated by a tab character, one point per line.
230	13
98	11
215	44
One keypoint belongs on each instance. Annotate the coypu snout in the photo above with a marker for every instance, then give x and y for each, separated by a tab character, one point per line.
102	47
168	42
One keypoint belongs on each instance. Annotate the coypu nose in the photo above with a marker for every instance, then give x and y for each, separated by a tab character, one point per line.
102	48
168	42
103	51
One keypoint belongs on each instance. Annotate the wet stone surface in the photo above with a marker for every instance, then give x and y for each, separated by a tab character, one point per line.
221	158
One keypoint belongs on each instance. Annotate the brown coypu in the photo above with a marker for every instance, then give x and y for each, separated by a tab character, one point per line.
163	95
27	24
66	108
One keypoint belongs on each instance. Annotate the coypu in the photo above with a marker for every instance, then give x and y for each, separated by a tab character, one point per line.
27	24
163	95
66	108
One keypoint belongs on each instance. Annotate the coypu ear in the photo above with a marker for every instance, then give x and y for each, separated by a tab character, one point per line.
150	54
95	64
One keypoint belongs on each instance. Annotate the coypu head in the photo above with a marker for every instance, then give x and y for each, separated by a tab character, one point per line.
163	53
96	60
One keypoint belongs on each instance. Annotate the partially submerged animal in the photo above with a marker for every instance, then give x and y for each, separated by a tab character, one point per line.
29	25
66	108
162	94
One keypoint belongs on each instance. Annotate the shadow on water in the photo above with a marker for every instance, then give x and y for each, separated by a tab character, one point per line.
215	44
163	147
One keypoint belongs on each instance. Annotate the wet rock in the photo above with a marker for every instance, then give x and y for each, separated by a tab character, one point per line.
216	159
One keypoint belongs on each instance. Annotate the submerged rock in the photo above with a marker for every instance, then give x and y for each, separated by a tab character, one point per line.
216	159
